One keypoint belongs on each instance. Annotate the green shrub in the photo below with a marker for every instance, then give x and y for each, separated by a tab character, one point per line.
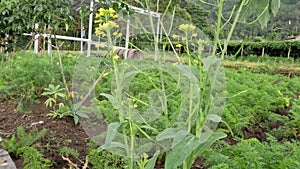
26	75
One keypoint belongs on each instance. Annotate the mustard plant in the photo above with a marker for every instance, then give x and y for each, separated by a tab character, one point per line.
201	84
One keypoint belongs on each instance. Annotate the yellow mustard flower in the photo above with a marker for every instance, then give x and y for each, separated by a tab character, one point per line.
175	36
119	35
101	12
113	24
111	11
116	57
115	33
105	26
187	27
192	27
105	74
115	16
101	45
183	27
98	21
178	45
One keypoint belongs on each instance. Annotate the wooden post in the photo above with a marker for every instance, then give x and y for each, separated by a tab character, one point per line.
263	52
89	42
289	52
242	52
36	39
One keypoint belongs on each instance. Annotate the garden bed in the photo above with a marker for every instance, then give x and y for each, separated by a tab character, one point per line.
261	111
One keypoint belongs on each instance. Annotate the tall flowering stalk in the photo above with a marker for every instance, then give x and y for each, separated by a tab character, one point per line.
106	26
104	19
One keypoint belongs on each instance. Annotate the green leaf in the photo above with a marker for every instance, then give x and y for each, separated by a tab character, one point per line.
82	114
179	136
152	161
110	98
49	102
112	145
112	130
214	118
275	5
67	26
262	9
46	93
62	95
76	119
128	74
166	134
214	137
204	146
181	151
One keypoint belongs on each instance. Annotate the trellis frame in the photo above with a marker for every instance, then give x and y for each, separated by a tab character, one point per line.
136	9
89	40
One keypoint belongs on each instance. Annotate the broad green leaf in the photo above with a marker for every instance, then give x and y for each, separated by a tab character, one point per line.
110	98
275	5
82	114
144	148
181	151
166	134
112	145
179	136
76	119
204	146
112	130
128	74
214	118
264	18
152	161
263	10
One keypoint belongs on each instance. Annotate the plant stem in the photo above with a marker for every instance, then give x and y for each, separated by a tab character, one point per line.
218	28
62	70
232	28
131	158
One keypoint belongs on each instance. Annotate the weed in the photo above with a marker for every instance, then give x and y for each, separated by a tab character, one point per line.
22	139
34	159
104	159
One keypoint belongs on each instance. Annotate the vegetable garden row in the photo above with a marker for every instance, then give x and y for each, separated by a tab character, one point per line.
261	116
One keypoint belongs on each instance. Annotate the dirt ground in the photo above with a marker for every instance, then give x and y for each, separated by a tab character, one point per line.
60	132
63	132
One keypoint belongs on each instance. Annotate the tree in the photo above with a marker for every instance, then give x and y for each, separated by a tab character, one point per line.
198	17
19	16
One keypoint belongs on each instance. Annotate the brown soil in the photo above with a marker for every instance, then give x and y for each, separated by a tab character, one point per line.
230	140
255	131
258	131
63	132
60	132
